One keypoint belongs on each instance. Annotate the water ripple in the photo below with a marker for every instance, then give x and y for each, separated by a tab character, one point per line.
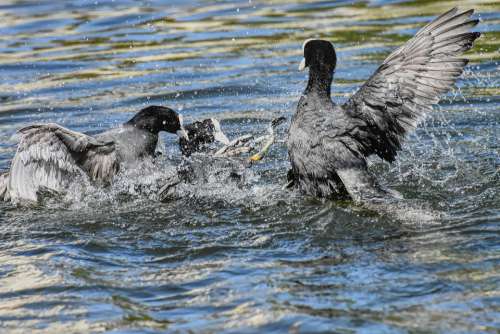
254	258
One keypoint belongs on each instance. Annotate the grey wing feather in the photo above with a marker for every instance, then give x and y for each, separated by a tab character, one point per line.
49	156
101	163
410	81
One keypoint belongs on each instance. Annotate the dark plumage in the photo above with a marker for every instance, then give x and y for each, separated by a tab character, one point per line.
328	144
201	134
49	156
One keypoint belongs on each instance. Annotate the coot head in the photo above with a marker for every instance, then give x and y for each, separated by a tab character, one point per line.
157	118
318	55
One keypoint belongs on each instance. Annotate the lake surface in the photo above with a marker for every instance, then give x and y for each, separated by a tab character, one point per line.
257	258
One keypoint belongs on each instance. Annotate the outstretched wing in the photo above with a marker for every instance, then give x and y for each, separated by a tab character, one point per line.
410	81
49	156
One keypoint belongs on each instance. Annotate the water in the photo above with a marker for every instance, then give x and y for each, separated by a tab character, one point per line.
256	259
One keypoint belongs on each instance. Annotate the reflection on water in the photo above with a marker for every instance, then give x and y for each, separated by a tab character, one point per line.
260	258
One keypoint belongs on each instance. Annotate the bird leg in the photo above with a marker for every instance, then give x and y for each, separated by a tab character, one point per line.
269	139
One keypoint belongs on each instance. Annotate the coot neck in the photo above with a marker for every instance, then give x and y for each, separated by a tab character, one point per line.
320	81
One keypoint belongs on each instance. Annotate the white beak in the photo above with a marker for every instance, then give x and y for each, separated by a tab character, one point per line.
302	65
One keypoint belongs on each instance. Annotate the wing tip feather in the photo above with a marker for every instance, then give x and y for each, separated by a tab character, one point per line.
467	12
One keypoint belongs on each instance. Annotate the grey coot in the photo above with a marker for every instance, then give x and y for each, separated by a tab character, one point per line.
201	134
202	163
49	156
328	144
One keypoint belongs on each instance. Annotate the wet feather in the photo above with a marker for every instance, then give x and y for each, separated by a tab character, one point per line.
329	144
